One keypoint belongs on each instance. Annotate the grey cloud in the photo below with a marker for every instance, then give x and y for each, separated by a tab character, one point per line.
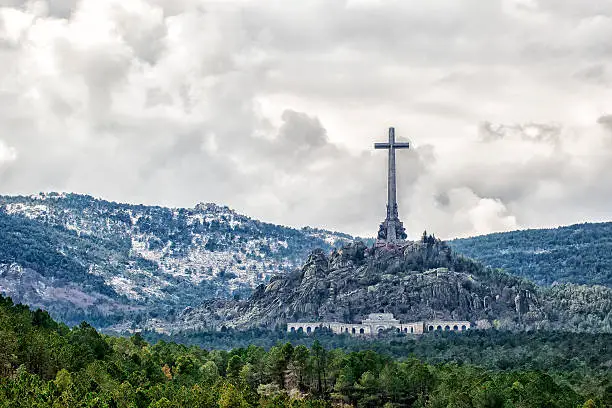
575	9
442	199
272	108
301	131
56	8
62	8
546	185
512	179
301	140
596	74
143	30
101	66
156	97
536	132
605	120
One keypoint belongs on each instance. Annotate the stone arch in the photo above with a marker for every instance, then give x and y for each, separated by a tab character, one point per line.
398	330
463	328
292	329
361	331
300	330
317	328
412	330
431	328
308	330
353	330
446	328
439	327
223	329
406	330
455	328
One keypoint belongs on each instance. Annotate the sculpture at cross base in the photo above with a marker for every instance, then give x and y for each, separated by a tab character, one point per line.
391	231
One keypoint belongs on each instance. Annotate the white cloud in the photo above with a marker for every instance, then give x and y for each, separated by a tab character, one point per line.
272	107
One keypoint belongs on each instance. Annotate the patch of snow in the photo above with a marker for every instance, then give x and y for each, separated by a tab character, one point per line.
134	217
124	286
154	292
140	247
72	226
28	211
197	219
16	269
330	239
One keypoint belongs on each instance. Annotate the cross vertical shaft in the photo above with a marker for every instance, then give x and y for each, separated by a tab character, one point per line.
391	230
392	187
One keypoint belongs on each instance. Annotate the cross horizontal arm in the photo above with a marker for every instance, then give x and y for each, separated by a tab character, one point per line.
401	145
382	145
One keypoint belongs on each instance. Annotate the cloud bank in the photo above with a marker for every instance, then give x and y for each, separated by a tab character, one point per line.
272	108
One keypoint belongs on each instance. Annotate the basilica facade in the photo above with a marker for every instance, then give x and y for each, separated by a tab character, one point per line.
380	322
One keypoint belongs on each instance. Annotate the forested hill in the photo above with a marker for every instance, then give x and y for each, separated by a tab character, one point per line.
580	253
46	364
83	258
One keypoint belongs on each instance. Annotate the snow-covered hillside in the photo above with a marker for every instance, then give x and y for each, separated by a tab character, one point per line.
152	258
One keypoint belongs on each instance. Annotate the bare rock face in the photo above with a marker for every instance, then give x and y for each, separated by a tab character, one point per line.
422	280
521	302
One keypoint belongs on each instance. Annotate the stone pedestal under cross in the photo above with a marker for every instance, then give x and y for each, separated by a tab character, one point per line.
392	230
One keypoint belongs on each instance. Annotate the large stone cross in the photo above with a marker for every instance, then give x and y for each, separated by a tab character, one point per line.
391	230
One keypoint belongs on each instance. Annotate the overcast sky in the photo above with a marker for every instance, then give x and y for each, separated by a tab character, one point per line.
272	108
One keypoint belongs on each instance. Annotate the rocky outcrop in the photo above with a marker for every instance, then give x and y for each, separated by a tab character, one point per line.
422	280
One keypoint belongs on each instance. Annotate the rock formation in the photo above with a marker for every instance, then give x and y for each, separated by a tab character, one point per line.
422	280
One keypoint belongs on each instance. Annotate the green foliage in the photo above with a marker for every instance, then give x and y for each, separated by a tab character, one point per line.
580	360
579	253
42	248
48	365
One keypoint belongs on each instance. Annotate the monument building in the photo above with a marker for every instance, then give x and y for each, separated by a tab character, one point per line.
390	234
377	323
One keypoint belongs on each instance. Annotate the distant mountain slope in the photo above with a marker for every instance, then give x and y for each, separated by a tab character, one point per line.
81	257
579	253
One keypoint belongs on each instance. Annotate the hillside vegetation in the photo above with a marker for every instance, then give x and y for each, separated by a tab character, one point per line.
46	364
84	258
579	253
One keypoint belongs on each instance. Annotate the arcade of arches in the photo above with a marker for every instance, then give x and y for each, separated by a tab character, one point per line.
377	323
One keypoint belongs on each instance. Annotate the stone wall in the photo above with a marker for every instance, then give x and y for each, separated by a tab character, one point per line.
447	325
374	326
412	328
335	327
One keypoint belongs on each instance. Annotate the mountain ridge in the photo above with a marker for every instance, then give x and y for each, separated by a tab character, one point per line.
117	264
149	258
